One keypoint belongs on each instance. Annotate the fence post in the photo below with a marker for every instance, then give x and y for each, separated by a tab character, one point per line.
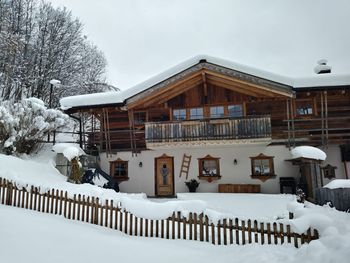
95	214
9	193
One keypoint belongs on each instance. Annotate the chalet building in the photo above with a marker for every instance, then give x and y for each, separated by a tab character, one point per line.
228	126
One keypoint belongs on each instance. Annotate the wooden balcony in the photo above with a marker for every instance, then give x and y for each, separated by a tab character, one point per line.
233	129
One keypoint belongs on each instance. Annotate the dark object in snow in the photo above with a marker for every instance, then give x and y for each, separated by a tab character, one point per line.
300	195
89	175
287	185
192	185
338	198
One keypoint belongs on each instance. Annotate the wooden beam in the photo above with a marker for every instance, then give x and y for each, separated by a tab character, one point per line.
229	85
173	93
178	92
275	91
154	94
205	86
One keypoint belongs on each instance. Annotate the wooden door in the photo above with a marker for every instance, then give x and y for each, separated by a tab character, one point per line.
164	175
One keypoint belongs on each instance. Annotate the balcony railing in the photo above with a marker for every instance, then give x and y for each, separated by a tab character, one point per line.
252	127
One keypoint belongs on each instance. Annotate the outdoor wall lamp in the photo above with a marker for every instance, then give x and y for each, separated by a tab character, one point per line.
235	161
140	164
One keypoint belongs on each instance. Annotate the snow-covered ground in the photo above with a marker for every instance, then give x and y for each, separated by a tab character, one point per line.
47	238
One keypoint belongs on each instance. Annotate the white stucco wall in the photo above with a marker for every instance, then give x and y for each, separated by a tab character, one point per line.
141	179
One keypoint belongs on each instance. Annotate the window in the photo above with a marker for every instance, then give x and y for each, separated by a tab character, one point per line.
196	113
217	112
329	171
139	118
262	167
209	168
304	107
179	114
119	169
235	111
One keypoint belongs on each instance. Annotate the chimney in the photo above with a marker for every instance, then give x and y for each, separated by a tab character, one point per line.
322	67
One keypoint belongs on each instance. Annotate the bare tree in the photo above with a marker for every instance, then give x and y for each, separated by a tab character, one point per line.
38	43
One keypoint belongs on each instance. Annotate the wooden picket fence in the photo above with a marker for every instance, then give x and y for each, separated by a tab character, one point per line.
193	227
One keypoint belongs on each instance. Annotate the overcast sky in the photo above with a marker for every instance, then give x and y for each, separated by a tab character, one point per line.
141	38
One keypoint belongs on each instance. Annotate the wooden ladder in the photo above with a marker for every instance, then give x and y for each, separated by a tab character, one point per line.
185	167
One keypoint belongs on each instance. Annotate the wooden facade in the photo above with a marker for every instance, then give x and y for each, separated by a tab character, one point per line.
207	102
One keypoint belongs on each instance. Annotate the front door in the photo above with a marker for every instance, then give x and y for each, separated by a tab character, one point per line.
164	175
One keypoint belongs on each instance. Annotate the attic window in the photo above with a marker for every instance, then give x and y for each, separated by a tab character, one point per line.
196	113
119	169
179	114
140	117
304	107
235	111
217	112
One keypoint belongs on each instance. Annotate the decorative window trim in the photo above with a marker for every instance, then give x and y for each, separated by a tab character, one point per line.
208	177
112	166
262	176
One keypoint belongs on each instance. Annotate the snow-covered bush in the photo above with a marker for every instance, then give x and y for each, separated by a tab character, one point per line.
25	123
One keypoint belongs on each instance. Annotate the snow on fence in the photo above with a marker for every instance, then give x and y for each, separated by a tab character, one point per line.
193	227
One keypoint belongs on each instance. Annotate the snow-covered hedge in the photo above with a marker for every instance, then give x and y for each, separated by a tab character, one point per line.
25	123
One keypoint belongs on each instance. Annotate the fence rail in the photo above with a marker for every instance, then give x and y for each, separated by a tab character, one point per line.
194	227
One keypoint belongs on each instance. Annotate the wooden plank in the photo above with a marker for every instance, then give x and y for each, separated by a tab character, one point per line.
136	227
225	231
178	225
243	231
256	232
237	233
212	234
249	231
275	234
195	226
152	228
74	206
83	206
167	228
106	213
111	210
146	227
218	227
126	222
288	234
53	198
268	226
173	226
190	222
141	101
282	233
262	233
157	228
201	228
131	224
248	85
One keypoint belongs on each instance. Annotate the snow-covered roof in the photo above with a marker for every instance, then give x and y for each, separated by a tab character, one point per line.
308	152
69	150
120	97
338	183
